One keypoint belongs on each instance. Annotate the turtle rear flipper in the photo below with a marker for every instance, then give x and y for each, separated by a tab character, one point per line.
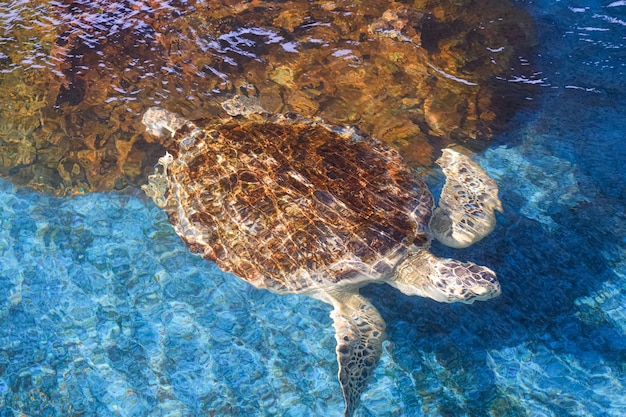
468	199
360	332
445	280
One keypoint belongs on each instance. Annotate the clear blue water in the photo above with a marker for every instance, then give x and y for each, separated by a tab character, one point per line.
103	311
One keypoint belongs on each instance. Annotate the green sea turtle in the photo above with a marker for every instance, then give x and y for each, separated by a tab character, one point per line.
296	206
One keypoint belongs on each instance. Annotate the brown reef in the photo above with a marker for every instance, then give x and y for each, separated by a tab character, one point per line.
76	76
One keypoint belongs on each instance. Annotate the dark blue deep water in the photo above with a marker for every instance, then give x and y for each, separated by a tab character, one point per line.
104	312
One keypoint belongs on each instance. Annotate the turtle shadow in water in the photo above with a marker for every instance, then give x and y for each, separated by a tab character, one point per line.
551	319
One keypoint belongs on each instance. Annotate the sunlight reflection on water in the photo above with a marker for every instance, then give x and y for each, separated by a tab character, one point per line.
103	311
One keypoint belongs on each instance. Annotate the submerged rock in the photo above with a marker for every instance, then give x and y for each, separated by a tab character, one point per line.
77	77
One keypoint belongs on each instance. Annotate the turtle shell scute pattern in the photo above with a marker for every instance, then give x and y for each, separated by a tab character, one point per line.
294	205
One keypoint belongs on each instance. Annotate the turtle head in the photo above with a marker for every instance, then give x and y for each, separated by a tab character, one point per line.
160	122
445	280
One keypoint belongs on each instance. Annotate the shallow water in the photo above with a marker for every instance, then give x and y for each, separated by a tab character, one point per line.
103	311
76	76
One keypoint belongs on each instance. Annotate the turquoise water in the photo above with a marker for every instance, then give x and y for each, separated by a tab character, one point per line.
103	311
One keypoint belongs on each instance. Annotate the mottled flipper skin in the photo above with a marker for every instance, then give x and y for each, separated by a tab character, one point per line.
444	280
360	332
465	213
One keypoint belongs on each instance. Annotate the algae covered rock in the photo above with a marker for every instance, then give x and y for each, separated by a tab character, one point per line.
76	77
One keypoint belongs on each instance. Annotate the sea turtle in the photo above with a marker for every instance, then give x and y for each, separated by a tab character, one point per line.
296	206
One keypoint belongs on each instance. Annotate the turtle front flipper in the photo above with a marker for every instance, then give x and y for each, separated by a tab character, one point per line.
360	332
445	280
467	203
